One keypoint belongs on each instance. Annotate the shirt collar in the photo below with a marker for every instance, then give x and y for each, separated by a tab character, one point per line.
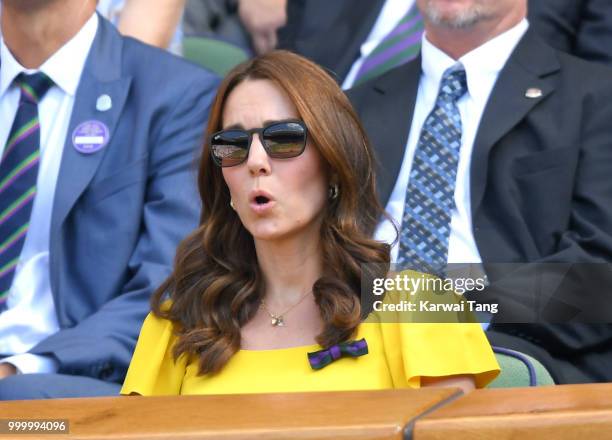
73	54
486	60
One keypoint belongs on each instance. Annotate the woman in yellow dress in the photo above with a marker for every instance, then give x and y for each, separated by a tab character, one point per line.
265	293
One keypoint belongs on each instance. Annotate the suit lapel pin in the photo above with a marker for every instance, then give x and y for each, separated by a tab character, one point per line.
533	93
90	136
104	103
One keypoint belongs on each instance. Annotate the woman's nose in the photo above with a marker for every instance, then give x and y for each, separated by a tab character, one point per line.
258	161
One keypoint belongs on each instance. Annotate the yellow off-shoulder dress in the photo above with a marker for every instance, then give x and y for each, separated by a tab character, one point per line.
399	355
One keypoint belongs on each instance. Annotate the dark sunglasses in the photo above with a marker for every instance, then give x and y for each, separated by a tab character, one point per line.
281	140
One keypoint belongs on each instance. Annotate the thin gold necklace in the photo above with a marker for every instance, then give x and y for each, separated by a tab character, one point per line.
278	319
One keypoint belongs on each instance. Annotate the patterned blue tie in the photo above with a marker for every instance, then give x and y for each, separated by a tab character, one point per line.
18	174
426	223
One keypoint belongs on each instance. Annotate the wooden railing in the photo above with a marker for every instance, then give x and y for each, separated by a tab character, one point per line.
576	412
350	415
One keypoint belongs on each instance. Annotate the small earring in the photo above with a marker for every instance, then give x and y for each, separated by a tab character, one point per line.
334	191
232	204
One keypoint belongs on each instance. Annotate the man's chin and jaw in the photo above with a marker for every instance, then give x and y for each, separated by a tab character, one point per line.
457	14
459	26
30	5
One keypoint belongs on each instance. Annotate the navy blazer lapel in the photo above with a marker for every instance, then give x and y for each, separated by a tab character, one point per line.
529	67
389	114
101	76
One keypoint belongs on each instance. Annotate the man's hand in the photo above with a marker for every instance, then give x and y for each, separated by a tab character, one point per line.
151	21
262	18
7	370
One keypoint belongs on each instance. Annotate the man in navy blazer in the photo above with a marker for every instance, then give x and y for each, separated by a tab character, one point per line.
122	123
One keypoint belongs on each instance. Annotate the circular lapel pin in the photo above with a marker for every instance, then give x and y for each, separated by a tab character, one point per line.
533	93
90	136
104	103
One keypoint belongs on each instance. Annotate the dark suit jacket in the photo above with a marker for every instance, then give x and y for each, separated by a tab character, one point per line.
540	178
119	213
580	27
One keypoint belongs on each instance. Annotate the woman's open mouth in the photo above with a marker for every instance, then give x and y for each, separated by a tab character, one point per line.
260	201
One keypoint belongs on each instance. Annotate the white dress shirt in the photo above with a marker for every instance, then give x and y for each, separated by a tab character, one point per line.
482	66
31	314
390	15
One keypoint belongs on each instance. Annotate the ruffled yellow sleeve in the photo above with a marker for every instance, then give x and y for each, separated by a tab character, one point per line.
419	344
416	350
152	370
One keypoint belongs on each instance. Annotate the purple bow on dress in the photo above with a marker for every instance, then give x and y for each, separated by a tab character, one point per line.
322	358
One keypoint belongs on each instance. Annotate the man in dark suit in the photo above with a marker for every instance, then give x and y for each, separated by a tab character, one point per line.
331	33
521	164
117	126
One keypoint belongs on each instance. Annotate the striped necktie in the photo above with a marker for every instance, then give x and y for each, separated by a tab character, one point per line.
18	173
401	45
426	223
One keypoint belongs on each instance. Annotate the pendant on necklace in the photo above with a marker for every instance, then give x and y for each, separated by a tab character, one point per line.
277	321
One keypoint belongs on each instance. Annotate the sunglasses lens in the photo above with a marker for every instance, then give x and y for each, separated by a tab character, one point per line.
230	147
285	139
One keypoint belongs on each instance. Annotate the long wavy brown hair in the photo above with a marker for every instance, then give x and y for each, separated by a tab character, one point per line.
216	286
